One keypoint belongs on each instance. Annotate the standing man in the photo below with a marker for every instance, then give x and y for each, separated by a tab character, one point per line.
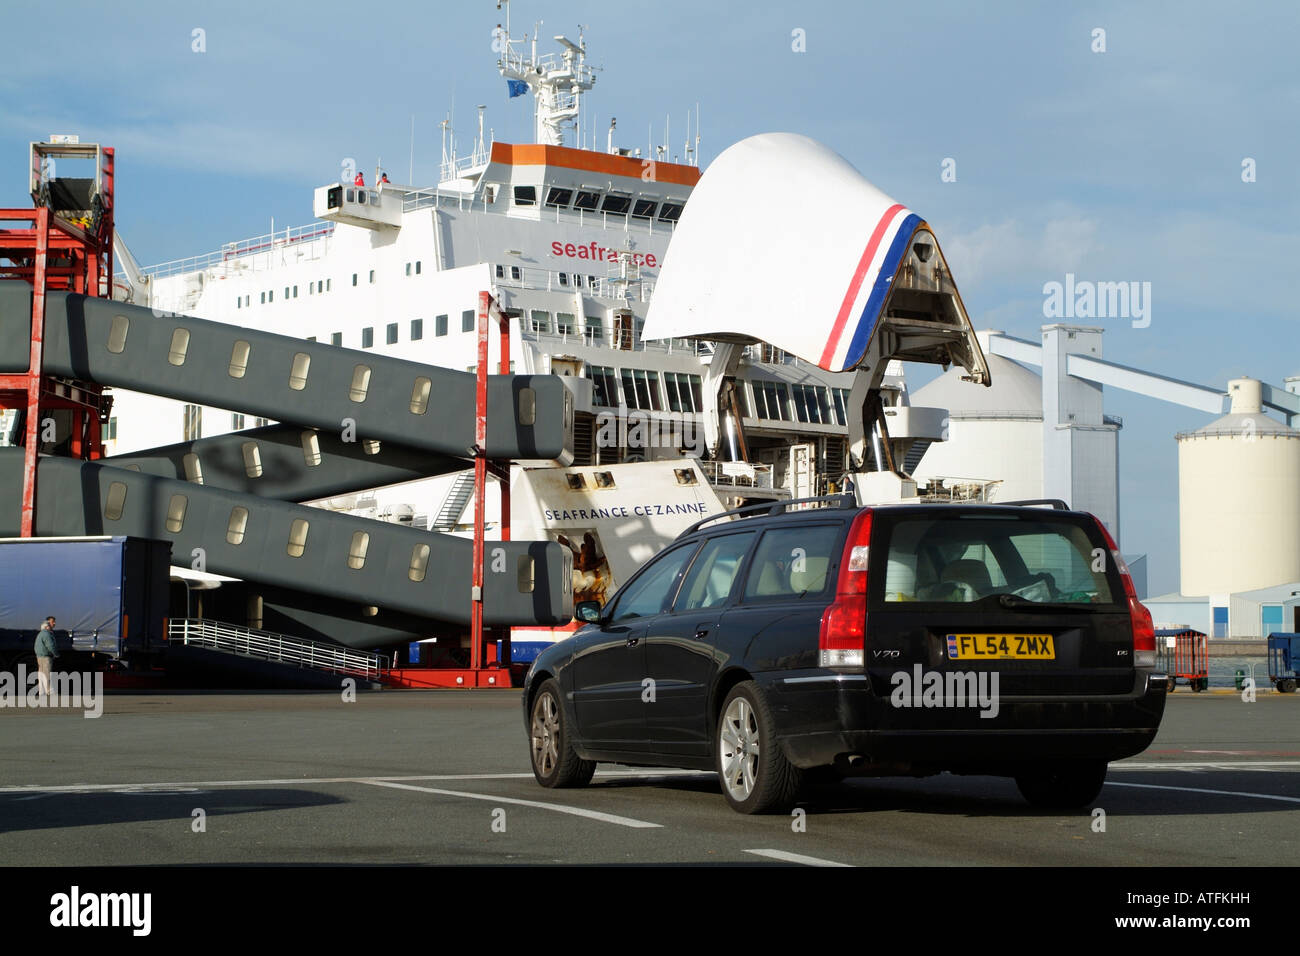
45	652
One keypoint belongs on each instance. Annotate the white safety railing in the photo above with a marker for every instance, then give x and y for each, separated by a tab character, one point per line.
290	238
736	474
279	648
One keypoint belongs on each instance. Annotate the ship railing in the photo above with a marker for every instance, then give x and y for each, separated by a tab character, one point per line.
950	488
601	339
279	648
297	238
547	280
737	474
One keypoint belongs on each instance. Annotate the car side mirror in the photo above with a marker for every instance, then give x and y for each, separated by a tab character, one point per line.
589	612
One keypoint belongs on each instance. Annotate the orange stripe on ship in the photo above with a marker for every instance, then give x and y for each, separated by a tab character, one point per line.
852	294
533	154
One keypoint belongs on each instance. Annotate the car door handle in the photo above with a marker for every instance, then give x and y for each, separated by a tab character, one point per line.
702	633
633	641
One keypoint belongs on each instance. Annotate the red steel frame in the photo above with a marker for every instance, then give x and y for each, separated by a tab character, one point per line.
479	673
54	255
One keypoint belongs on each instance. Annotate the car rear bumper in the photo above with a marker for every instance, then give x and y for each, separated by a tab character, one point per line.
825	718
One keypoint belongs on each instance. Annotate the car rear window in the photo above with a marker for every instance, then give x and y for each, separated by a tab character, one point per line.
963	559
792	562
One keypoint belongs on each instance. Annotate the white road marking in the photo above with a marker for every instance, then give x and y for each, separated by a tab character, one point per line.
1203	764
91	787
785	857
1221	793
492	798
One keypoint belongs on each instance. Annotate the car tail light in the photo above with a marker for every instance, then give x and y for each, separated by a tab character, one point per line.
1144	632
842	641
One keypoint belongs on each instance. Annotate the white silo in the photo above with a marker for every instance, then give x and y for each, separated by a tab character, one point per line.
994	433
1239	499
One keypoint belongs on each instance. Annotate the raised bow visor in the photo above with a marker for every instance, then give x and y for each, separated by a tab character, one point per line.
838	273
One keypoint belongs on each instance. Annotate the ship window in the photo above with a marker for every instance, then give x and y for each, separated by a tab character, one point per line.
541	320
595	329
368	337
527	406
420	396
440	325
370	446
390	334
603	386
738	393
357	553
559	197
417	329
117	334
564	323
286	292
515	273
684	392
408	268
334	198
352	195
354	278
524	573
239	302
252	459
577	280
841	397
237	525
670	211
564	278
115	500
192	468
618	205
467	320
525	195
372	276
270	295
246	298
192	423
310	448
180	345
236	421
641	389
176	513
360	383
295	292
419	563
336	338
311	338
417	267
586	200
501	272
328	284
644	209
576	482
297	537
361	197
298	373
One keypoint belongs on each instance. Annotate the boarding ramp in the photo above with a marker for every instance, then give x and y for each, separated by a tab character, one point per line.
277	648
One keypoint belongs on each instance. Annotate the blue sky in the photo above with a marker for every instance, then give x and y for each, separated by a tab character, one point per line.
1122	165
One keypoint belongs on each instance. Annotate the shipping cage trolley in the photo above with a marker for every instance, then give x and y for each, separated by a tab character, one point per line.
1283	659
1183	654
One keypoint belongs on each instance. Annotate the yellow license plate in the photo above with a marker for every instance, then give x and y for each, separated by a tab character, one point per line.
992	647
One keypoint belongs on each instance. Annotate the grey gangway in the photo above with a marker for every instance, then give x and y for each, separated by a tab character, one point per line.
352	419
277	648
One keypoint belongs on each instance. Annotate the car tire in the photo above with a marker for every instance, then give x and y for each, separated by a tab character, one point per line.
755	775
1286	686
1172	684
1063	786
555	763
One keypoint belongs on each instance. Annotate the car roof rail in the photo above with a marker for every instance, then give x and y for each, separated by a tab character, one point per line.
775	508
1055	503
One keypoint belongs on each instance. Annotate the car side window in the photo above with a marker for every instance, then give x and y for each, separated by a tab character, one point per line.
713	572
792	563
650	593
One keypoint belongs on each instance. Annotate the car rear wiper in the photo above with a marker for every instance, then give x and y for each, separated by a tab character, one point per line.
1016	602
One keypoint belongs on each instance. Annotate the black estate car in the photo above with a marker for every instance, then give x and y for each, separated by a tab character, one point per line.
815	638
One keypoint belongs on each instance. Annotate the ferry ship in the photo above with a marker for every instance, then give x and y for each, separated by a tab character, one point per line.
571	242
